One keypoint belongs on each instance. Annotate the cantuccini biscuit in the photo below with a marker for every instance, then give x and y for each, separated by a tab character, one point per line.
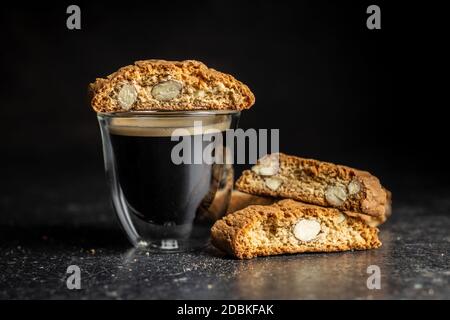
290	227
169	85
240	200
316	182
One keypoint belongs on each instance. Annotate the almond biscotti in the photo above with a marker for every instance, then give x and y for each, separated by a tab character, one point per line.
316	182
290	227
169	85
240	200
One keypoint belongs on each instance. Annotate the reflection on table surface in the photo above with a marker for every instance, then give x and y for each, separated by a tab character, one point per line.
413	263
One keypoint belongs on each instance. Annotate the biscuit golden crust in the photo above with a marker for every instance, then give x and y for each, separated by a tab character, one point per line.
240	200
290	227
169	85
316	182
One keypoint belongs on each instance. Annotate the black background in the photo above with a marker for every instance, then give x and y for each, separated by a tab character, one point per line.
336	90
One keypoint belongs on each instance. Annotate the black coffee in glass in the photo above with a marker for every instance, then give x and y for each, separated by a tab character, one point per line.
157	190
162	203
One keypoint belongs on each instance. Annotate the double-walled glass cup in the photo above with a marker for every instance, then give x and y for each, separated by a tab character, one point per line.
168	174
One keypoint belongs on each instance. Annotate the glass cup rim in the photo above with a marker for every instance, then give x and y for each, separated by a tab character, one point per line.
165	113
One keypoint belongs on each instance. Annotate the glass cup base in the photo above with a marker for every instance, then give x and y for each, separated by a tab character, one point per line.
189	239
172	245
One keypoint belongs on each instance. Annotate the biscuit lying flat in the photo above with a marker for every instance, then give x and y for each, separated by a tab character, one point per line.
240	200
290	227
169	85
316	182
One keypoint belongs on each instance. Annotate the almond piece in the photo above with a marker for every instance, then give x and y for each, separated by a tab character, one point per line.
127	96
335	195
306	230
353	187
340	218
267	166
273	183
167	90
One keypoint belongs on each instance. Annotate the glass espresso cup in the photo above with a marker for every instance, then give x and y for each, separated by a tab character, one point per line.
164	192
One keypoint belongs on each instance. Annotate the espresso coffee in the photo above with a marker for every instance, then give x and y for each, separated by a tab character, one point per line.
156	189
165	189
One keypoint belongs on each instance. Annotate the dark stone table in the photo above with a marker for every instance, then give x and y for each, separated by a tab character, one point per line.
56	221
